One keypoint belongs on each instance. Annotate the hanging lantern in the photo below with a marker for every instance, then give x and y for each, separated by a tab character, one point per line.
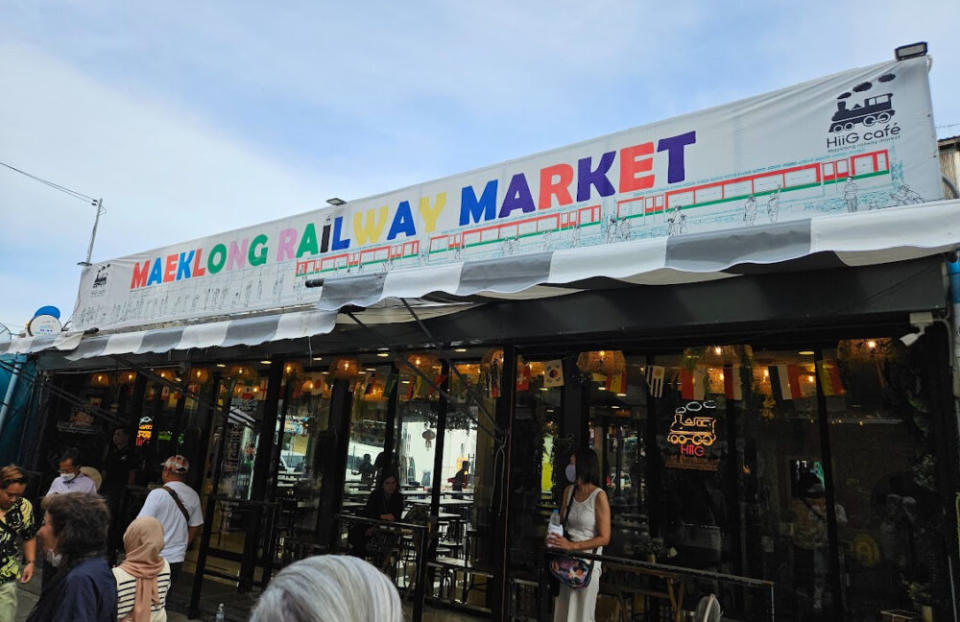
373	391
100	380
307	387
126	377
423	363
607	362
292	368
199	375
239	372
345	368
428	436
166	374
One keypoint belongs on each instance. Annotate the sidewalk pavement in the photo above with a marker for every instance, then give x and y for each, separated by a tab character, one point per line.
28	595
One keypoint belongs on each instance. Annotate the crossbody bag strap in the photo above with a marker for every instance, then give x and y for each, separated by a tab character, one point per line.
176	499
573	491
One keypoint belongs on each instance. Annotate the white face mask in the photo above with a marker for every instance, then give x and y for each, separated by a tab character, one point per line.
68	477
54	558
571	473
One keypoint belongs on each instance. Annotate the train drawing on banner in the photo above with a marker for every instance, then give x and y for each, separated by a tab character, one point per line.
667	209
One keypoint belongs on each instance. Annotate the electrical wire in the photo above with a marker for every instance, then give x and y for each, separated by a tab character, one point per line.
77	195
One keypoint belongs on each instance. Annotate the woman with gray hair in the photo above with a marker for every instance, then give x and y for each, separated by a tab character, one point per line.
337	588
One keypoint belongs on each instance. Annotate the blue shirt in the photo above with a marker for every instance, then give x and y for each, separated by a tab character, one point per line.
87	594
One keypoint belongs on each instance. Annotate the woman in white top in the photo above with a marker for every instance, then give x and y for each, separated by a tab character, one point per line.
144	577
588	526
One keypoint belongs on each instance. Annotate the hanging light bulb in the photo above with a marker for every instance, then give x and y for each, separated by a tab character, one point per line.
345	368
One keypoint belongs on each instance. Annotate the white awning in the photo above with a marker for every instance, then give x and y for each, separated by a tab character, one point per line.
856	239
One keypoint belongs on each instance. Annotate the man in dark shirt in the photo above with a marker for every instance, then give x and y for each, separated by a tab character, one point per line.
462	477
119	470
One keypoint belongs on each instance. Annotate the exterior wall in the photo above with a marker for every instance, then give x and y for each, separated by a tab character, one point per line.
950	164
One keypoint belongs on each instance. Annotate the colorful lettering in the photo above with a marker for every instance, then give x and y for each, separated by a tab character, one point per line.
518	197
285	244
198	269
156	273
183	267
402	222
597	178
258	257
237	257
308	243
140	275
472	209
217	258
674	147
430	214
370	228
170	268
632	163
555	182
339	243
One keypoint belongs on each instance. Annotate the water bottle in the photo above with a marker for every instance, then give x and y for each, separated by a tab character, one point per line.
555	526
220	615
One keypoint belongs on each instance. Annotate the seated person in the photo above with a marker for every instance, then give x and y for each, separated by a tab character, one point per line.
384	503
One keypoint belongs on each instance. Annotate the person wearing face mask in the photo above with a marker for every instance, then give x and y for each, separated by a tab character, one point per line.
17	529
588	528
74	536
70	478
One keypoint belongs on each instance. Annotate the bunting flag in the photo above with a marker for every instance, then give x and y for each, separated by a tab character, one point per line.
830	377
523	377
391	383
693	384
785	382
732	382
616	383
438	381
655	377
553	373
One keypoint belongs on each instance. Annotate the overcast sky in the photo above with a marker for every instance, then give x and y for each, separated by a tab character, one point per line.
190	118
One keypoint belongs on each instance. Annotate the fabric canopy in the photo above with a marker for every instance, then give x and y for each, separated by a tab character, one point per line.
854	239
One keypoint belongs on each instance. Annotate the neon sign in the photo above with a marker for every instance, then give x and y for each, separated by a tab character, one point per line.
144	431
693	432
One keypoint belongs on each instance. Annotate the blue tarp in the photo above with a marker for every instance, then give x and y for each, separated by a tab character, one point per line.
17	414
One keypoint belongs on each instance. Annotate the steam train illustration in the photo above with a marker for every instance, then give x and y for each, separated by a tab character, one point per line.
697	429
874	110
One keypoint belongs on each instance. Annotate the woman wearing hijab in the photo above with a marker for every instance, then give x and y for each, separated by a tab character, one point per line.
144	577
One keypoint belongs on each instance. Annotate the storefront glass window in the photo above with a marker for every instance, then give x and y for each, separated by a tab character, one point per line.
881	413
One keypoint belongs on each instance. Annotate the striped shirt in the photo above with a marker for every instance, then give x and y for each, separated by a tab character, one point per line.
127	593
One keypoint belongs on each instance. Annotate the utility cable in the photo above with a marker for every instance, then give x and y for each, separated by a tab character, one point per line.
55	186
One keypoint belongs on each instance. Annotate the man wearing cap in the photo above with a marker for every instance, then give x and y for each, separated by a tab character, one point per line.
177	507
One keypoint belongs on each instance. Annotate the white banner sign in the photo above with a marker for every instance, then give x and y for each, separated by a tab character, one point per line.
853	142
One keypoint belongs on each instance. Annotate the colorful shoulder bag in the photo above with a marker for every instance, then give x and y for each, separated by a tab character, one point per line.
574	572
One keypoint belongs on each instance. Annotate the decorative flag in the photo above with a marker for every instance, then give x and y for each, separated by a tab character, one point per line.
523	377
830	377
616	383
655	377
553	373
785	382
438	381
732	382
693	384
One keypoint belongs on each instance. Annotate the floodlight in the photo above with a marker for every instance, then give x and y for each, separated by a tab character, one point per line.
911	51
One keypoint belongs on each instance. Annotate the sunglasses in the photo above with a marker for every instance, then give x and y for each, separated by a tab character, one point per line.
7	482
